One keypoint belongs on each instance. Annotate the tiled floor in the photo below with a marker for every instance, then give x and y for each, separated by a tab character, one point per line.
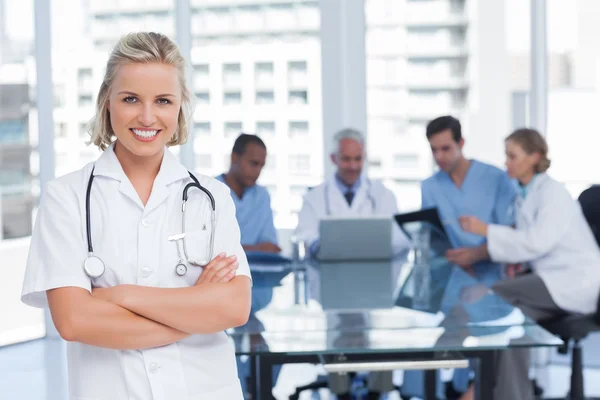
37	371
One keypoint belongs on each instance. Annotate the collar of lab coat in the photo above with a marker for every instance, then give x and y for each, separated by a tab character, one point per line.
170	171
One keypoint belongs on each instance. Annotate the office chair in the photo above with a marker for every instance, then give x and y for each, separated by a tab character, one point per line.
573	328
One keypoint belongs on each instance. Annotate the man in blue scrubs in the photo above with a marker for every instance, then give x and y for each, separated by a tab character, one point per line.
252	201
254	216
464	187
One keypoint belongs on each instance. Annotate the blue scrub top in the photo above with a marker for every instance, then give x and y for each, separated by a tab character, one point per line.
254	215
486	193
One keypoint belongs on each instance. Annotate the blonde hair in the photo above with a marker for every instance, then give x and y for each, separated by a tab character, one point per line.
532	142
140	47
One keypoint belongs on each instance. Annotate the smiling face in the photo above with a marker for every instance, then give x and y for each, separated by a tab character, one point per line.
144	104
349	160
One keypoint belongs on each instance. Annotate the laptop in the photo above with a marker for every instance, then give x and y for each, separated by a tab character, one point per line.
355	239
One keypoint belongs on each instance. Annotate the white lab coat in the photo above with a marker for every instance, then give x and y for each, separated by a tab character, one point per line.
371	198
554	237
132	241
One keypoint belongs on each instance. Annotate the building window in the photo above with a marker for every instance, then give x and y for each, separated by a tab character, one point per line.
202	128
83	130
203	161
298	128
85	80
298	97
232	98
232	75
297	74
299	164
60	129
203	97
265	128
265	97
201	76
232	129
406	161
59	96
85	101
263	74
13	131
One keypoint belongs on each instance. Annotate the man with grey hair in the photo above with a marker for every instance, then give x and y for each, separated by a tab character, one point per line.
349	194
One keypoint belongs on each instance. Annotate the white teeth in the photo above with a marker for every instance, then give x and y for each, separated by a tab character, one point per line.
144	134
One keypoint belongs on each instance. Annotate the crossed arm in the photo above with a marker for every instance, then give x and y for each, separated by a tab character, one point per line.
136	317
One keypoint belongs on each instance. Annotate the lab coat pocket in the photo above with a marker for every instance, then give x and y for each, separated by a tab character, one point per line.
199	247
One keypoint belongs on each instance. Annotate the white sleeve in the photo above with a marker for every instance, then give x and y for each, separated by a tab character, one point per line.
227	234
57	250
551	222
308	222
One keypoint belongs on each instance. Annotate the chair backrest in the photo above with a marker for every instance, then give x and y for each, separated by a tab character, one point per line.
590	204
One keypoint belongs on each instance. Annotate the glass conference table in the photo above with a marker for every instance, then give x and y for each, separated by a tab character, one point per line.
368	316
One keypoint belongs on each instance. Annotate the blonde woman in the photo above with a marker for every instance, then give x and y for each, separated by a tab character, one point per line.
553	238
140	289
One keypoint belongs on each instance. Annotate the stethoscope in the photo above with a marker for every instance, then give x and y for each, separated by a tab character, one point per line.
94	266
370	198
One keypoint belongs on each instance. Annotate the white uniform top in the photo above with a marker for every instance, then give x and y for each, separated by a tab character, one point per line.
554	237
132	241
371	198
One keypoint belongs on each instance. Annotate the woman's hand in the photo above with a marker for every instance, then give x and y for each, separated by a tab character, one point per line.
220	269
473	225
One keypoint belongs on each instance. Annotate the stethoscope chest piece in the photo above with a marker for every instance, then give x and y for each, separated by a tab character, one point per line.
93	266
181	269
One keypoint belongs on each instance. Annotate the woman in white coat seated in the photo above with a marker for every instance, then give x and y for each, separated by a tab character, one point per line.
553	238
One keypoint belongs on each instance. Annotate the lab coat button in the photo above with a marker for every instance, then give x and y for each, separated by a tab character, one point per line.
153	367
146	272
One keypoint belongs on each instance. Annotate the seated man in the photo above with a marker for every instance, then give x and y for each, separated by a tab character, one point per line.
348	193
463	187
254	216
252	201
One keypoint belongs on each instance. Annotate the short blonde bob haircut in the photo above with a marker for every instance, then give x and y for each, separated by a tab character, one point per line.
140	47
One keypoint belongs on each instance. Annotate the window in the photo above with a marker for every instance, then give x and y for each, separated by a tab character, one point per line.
263	74
298	128
201	76
85	80
59	96
232	98
202	128
299	164
83	130
60	129
265	128
298	97
13	131
232	75
408	161
203	161
85	101
297	74
232	129
265	97
203	97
